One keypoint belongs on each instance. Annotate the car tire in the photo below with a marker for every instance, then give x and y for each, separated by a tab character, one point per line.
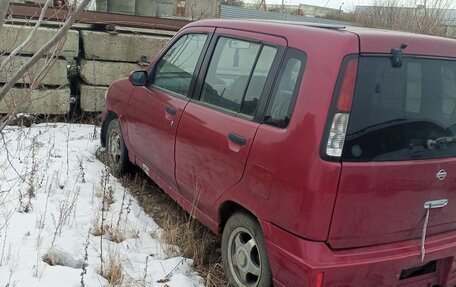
244	252
116	150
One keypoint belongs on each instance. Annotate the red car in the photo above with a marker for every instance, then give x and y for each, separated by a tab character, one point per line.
324	155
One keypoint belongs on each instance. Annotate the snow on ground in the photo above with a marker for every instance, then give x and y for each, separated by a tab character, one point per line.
51	196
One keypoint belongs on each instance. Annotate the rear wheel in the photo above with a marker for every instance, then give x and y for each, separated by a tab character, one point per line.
244	252
117	152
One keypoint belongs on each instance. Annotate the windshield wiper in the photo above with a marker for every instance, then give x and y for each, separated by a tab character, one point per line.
432	144
377	126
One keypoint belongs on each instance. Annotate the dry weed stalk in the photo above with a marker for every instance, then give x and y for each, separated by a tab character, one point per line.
94	134
86	258
81	170
144	283
179	229
66	208
113	271
187	232
3	246
104	207
100	226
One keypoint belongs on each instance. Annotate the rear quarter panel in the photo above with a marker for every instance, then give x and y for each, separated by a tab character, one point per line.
300	188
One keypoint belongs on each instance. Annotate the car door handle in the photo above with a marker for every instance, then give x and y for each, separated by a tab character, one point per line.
237	139
170	110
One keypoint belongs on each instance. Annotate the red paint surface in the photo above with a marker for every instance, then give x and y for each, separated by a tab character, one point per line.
358	223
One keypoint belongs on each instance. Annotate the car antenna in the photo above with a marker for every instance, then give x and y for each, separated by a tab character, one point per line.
396	58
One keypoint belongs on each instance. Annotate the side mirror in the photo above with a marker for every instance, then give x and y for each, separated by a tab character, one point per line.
138	78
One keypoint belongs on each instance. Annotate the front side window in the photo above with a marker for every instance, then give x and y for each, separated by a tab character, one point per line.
402	113
174	72
237	74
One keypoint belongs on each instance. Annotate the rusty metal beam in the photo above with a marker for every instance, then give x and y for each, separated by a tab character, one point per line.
31	11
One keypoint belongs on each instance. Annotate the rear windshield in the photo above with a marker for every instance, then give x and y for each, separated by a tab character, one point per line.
402	113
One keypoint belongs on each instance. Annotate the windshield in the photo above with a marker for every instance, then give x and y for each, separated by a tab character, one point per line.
402	113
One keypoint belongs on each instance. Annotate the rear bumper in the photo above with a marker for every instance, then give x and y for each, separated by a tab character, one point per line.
296	262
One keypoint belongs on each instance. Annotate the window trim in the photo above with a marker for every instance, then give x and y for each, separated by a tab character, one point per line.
290	53
199	63
266	89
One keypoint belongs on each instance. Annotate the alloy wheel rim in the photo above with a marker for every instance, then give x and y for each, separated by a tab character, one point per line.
244	258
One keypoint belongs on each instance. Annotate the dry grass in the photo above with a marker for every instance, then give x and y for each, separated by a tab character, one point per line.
214	275
96	229
115	234
113	270
193	239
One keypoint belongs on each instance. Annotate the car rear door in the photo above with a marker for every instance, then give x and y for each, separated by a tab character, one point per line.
218	127
155	110
399	157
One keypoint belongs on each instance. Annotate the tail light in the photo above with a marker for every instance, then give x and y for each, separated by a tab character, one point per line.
336	138
319	279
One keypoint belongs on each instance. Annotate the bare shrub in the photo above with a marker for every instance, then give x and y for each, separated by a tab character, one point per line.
404	15
51	49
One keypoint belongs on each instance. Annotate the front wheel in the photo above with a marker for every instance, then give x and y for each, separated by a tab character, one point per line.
244	252
117	152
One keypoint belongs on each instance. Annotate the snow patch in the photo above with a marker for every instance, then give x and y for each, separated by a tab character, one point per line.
53	194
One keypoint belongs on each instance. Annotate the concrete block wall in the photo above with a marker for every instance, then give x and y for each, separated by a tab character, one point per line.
13	35
109	57
44	101
57	75
53	96
190	9
120	47
99	57
93	98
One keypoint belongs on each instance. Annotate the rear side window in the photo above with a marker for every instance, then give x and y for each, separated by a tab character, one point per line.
402	113
258	80
286	89
237	74
175	70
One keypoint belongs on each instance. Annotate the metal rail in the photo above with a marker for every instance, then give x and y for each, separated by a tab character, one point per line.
31	11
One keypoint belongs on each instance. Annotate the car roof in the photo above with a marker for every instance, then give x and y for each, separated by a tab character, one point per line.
370	40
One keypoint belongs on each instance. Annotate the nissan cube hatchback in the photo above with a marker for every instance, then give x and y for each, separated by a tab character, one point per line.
323	155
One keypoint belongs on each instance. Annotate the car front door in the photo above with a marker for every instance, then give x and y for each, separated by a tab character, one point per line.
218	127
155	109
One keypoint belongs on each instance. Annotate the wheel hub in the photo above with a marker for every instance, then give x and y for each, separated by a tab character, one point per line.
242	257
